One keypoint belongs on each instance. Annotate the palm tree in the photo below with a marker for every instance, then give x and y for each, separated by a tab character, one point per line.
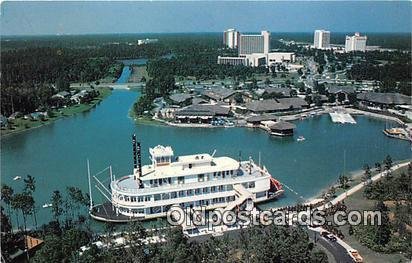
30	184
29	188
25	203
388	162
6	195
343	181
57	203
378	167
367	174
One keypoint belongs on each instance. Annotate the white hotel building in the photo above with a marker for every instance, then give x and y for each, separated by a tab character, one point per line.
250	44
321	39
355	43
231	38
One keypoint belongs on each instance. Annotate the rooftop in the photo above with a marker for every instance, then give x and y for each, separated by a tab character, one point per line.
219	93
282	125
385	98
180	97
260	118
203	110
339	89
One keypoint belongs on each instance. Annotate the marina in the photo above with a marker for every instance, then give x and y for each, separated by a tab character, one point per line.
102	136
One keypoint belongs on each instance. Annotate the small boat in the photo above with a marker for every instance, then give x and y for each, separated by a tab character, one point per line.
47	205
300	139
16	178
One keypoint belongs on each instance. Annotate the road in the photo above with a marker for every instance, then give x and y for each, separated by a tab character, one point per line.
339	252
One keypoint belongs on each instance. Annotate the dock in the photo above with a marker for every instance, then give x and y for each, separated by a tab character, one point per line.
342	117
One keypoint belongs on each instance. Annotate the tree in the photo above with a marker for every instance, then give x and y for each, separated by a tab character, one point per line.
5	222
367	174
7	195
383	231
388	162
331	97
57	205
317	100
25	203
352	98
29	188
341	97
378	167
343	181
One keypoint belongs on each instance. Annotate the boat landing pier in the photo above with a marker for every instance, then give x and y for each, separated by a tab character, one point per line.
342	117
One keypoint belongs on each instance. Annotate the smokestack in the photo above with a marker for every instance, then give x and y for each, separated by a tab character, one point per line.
134	151
139	159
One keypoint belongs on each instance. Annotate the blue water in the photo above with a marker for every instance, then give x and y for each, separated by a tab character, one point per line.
136	61
56	154
124	77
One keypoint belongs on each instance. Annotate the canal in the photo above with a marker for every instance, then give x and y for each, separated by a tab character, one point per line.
56	154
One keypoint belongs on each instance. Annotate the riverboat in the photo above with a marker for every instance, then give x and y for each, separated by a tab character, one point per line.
197	180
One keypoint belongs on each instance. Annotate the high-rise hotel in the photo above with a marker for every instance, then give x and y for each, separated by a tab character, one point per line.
250	44
231	38
321	39
355	43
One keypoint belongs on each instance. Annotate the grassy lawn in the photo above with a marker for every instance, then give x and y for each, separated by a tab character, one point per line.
137	74
21	124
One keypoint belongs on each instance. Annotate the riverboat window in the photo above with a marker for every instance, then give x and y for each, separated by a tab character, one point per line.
155	210
206	190
157	197
197	191
252	185
223	175
181	180
260	194
140	199
190	166
231	172
181	193
229	187
221	188
200	177
147	198
189	192
245	185
165	196
166	208
213	189
126	198
121	197
173	195
140	211
133	199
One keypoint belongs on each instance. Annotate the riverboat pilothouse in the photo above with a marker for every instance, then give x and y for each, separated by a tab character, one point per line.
189	181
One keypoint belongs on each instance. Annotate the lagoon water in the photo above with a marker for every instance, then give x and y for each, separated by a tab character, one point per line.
56	154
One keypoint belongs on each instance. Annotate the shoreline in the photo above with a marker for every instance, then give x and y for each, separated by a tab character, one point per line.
285	117
354	177
106	93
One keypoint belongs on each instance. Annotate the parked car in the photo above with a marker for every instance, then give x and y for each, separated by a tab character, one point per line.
355	255
328	236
